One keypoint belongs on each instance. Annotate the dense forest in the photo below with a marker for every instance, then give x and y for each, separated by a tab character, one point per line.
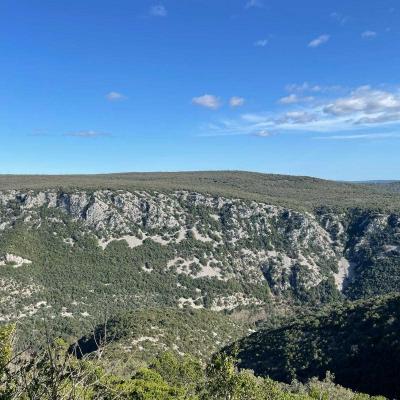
356	341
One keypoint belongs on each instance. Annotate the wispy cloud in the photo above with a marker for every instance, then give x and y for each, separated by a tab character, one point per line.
261	43
369	34
367	106
236	101
319	41
90	134
340	18
297	118
158	10
312	88
263	133
208	101
363	108
115	96
291	99
295	99
303	87
254	4
361	136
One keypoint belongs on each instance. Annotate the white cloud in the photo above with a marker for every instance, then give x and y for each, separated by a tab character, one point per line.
297	117
254	4
263	133
87	134
361	109
291	99
303	87
366	102
236	101
158	11
208	101
294	99
115	96
368	34
320	40
261	43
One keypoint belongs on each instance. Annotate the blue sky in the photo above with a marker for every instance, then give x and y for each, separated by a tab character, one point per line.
298	87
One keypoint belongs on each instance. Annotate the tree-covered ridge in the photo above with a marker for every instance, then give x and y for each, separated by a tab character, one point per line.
358	342
291	191
51	373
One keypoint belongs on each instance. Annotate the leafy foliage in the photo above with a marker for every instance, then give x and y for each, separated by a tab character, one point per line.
358	342
6	343
53	374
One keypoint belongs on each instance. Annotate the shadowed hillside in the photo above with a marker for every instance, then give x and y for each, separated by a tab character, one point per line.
358	342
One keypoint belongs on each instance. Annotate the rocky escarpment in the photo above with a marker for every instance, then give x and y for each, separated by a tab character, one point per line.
217	252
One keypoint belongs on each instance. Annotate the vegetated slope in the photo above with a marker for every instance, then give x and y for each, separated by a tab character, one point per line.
72	256
292	191
358	342
53	372
393	186
133	338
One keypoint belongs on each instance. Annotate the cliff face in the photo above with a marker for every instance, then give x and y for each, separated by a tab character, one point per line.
223	252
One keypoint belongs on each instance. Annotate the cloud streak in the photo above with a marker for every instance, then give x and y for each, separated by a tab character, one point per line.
368	34
158	10
319	41
294	99
115	96
362	136
312	88
254	4
261	43
263	133
364	108
89	134
236	101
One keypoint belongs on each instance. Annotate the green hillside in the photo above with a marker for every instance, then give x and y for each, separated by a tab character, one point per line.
135	337
152	267
294	191
51	373
358	342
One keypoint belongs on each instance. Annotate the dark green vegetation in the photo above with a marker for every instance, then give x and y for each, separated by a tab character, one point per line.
52	374
358	342
292	191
